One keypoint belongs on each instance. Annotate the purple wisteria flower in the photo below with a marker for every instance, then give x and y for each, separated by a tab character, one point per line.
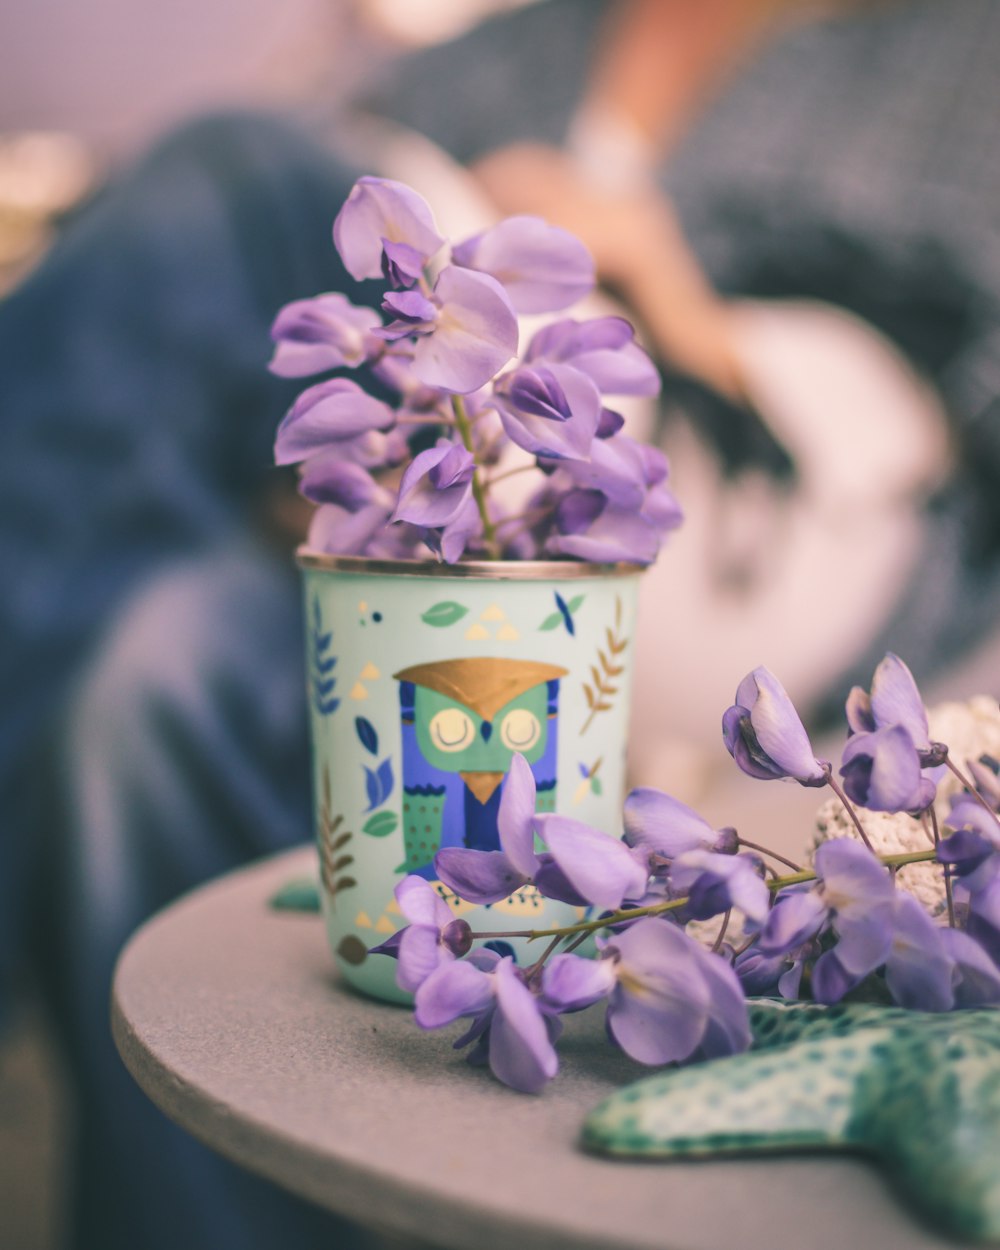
442	352
581	865
881	771
327	414
381	216
764	735
436	486
542	268
551	411
714	883
432	938
668	827
894	700
507	1023
603	348
672	999
326	332
854	897
973	850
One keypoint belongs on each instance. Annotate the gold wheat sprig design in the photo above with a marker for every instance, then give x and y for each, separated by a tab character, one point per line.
607	670
332	856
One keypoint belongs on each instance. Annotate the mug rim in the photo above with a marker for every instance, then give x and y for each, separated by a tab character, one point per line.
484	570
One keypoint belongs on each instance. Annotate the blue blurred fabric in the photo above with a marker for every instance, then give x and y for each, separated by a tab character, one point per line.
153	723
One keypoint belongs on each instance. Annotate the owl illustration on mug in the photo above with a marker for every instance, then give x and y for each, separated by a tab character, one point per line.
462	722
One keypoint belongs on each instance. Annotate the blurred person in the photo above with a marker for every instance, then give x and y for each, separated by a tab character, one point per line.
154	728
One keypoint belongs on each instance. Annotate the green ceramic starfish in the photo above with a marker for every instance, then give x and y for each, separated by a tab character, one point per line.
919	1092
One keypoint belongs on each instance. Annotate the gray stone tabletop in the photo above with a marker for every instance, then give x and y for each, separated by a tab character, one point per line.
232	1018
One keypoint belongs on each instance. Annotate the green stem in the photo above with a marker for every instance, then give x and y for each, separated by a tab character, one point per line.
478	493
657	909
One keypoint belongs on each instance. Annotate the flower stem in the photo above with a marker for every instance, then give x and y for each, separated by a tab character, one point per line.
947	870
658	909
753	846
848	807
464	426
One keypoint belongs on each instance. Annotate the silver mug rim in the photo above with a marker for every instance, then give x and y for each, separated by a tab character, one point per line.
483	570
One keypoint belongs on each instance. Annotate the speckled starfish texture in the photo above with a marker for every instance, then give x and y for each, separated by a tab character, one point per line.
919	1092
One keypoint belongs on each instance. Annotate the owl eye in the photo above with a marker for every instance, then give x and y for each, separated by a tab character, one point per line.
452	730
520	729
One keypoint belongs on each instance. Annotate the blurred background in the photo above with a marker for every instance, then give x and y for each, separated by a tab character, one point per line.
821	290
86	85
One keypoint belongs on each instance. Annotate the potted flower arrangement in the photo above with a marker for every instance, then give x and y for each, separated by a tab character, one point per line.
471	567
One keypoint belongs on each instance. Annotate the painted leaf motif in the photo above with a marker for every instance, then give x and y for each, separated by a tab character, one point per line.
378	784
575	603
301	894
380	825
367	734
552	621
595	785
566	614
445	613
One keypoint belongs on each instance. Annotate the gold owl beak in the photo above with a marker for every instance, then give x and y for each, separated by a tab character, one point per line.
482	785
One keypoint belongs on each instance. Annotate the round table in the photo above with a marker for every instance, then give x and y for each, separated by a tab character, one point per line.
232	1018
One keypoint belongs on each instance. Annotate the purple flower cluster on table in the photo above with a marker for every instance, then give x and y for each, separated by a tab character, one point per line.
843	926
444	346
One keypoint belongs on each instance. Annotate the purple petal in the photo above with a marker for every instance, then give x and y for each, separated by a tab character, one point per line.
475	334
569	438
895	700
521	1053
854	881
616	535
578	510
543	268
478	876
967	813
327	413
664	824
918	970
420	903
553	883
516	817
795	917
610	423
859	711
465	527
602	348
881	770
604	870
421	500
864	942
420	953
570	983
758	972
456	988
338	532
777	729
659	1009
378	209
326	478
402	265
717	882
327	332
831	980
728	1028
615	467
413	313
977	976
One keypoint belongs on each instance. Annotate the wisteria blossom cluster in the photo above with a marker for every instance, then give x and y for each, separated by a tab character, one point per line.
843	925
407	464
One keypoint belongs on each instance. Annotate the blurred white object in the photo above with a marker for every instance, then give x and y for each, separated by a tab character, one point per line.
417	22
798	580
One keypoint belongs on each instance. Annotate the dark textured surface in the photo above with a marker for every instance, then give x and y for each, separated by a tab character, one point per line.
231	1018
